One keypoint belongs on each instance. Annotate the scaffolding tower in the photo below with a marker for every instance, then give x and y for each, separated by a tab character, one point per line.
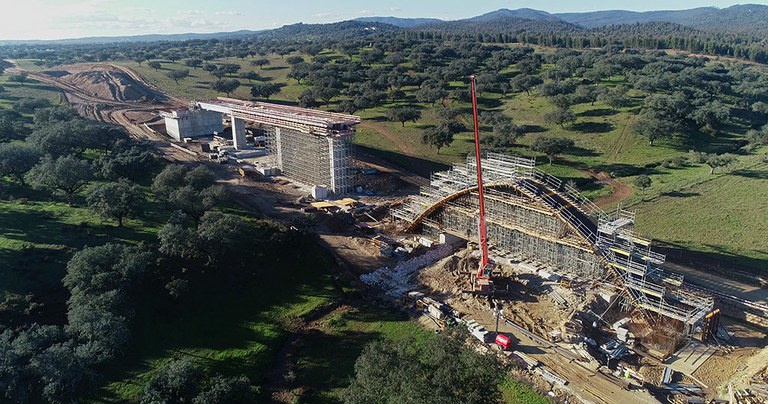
534	216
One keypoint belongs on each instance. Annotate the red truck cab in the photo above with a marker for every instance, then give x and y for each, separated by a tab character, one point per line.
503	341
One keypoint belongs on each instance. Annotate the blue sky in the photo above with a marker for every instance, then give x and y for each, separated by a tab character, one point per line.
50	19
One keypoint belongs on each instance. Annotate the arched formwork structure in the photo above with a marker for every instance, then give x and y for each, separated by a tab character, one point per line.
534	216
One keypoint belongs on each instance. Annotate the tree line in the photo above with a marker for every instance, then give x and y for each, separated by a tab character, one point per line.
719	41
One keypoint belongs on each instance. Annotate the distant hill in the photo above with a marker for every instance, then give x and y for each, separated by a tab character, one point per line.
744	19
400	22
504	25
337	30
616	17
343	29
747	19
524	13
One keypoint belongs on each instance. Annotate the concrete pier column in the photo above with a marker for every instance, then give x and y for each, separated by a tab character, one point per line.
238	133
278	149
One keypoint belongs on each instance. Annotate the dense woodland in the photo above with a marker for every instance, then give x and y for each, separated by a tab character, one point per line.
738	39
348	67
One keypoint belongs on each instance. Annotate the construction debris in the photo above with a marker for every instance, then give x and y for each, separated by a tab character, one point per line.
397	281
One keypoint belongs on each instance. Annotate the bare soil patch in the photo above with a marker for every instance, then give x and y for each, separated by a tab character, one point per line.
620	190
103	81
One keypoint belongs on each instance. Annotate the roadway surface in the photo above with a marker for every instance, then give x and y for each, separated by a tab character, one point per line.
719	284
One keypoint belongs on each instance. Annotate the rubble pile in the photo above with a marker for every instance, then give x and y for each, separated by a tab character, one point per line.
395	282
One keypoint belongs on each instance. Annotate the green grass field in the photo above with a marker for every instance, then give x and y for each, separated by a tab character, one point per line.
39	234
325	362
196	86
515	392
722	217
30	89
228	333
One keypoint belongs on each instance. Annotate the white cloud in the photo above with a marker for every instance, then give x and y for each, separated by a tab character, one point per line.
228	13
189	12
394	9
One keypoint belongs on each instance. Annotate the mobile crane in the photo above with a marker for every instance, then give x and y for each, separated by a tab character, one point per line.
483	282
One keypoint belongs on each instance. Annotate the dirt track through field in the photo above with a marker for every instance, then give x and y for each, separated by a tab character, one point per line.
620	192
402	147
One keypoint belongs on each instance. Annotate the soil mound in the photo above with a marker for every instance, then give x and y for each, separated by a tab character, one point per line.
111	84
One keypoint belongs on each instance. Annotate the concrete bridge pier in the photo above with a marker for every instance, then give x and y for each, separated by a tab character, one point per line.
238	133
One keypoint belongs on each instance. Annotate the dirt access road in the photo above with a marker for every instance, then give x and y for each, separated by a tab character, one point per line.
113	94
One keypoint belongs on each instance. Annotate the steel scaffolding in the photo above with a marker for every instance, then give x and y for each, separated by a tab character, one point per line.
533	215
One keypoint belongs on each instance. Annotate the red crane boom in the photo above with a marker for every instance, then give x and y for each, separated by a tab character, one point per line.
482	232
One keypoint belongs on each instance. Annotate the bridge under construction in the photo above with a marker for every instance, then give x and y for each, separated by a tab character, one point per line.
535	217
309	146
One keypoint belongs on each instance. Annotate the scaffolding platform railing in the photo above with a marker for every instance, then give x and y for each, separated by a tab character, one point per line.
302	119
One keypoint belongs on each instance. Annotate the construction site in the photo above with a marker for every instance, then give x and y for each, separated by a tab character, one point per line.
564	276
576	296
570	293
513	246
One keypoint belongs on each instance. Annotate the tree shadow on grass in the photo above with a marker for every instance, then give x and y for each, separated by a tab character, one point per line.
598	112
379	118
327	361
584	184
679	194
592	127
32	270
43	228
533	129
413	164
624	170
749	173
270	68
490	102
